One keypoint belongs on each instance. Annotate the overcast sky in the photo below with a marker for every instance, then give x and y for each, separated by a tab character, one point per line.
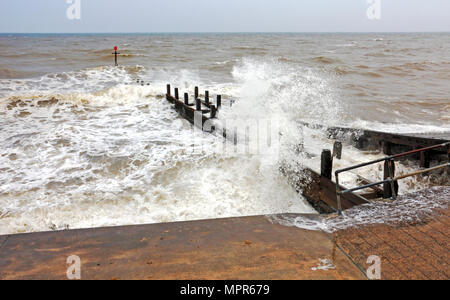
50	16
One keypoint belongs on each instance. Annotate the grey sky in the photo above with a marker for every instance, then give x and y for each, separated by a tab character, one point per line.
224	16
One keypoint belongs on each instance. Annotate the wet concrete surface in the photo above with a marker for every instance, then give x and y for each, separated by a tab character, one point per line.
248	248
237	248
407	251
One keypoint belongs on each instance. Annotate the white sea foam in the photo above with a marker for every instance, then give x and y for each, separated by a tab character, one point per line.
120	155
414	208
112	152
400	128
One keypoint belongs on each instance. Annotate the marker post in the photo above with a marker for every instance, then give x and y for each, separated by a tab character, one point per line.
115	56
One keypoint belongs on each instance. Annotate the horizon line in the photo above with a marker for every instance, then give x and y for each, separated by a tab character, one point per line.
225	32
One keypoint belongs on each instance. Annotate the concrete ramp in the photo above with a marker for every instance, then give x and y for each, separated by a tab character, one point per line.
237	248
249	248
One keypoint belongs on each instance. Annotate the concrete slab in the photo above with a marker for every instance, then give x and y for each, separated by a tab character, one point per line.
237	248
252	248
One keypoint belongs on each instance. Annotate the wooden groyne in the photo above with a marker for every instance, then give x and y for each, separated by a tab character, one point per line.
318	189
391	143
198	110
321	192
388	143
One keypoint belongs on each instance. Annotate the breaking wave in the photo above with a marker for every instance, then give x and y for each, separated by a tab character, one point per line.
91	147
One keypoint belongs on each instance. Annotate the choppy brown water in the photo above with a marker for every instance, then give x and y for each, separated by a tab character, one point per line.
394	78
82	147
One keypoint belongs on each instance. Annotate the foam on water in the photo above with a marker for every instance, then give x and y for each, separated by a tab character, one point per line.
91	148
119	155
281	92
411	209
401	128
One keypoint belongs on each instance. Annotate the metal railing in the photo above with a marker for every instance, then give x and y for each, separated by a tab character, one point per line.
391	179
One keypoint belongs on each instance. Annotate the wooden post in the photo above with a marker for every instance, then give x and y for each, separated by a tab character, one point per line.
186	98
425	159
448	152
198	104
206	97
387	186
448	155
219	101
168	89
389	172
337	150
387	148
213	111
326	164
196	92
177	96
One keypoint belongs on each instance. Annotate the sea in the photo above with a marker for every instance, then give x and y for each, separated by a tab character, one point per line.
87	144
